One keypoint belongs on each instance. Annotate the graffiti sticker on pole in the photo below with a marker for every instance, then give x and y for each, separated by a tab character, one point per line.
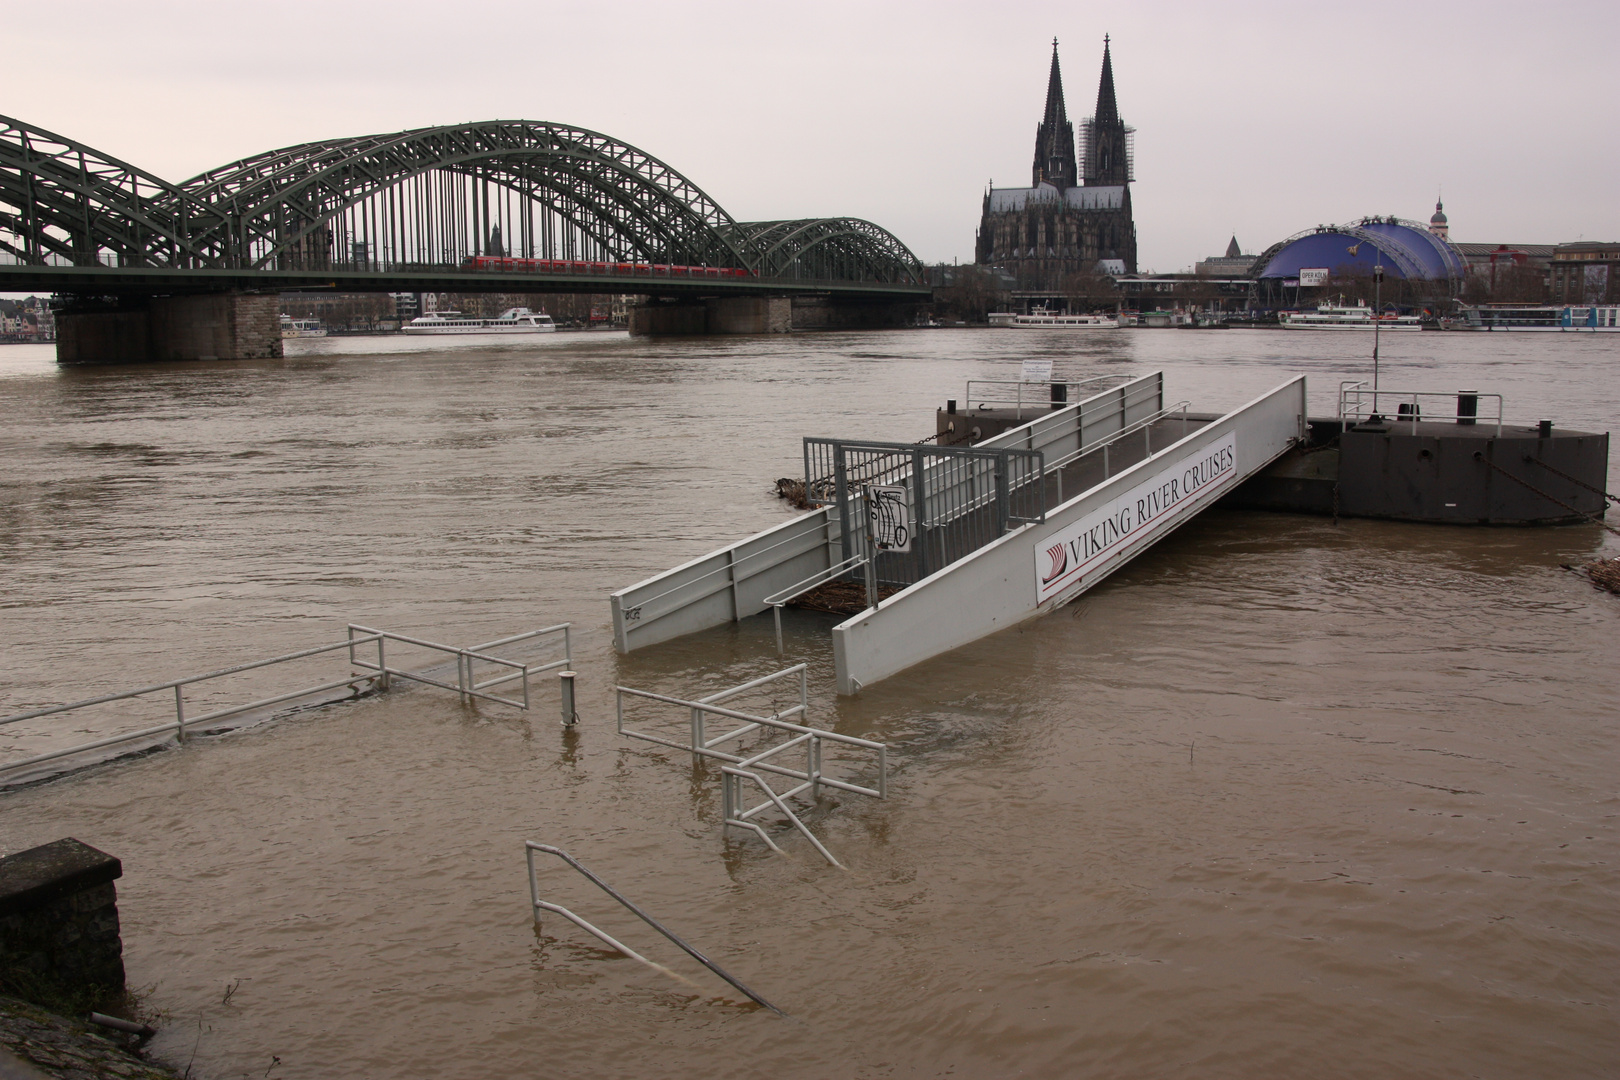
888	509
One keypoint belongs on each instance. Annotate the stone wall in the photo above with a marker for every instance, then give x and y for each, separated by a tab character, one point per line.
59	939
216	326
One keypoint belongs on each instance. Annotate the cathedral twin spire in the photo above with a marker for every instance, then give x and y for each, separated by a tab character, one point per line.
1106	146
1054	140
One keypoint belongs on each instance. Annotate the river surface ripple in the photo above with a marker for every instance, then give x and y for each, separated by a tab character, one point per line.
1282	798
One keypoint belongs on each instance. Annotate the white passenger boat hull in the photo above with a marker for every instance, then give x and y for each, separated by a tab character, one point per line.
464	330
1059	322
1387	328
511	321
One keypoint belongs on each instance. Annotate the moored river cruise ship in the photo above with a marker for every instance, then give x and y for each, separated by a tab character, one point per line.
1345	317
519	320
1041	320
1547	318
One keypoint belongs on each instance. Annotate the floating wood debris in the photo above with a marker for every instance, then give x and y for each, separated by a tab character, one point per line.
1605	574
840	597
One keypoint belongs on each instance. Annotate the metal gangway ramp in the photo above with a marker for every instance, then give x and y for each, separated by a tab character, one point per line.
1120	470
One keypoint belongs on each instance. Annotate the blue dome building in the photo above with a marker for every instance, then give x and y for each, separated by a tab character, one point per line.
1407	250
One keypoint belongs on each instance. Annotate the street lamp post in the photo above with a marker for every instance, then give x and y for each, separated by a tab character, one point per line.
1378	311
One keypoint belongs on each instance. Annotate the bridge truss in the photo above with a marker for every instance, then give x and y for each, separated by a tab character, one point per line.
428	199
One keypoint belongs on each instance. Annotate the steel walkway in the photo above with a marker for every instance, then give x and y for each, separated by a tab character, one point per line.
1122	470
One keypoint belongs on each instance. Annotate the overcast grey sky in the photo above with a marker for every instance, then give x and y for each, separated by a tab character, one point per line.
1254	118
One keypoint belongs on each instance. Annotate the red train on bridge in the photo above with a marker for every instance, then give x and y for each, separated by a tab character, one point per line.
617	269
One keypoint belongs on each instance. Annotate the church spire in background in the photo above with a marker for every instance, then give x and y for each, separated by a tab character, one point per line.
1055	161
1106	139
1107	108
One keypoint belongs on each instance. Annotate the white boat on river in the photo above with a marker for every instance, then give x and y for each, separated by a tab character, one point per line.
1344	317
518	320
1041	320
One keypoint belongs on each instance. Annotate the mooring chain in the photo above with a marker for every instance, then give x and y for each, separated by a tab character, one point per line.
1578	483
1480	456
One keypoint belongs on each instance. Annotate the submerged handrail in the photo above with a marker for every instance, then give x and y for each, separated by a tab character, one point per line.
793	592
380	676
530	847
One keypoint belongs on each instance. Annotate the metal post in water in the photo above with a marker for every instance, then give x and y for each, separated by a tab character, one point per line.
180	712
871	549
565	682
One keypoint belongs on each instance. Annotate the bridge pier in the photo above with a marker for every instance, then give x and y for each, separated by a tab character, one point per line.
825	313
766	315
714	315
212	326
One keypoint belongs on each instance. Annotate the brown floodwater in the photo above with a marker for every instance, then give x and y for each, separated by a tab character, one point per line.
1282	798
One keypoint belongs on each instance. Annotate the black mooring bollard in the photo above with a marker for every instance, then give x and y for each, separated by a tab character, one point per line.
1467	406
1544	429
1060	395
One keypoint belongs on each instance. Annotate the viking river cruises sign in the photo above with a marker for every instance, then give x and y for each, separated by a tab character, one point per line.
1063	558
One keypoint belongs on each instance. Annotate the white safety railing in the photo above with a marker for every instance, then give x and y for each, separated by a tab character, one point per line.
380	676
740	766
1358	402
538	905
995	392
778	600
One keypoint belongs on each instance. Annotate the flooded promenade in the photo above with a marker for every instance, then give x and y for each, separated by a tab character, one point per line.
1284	797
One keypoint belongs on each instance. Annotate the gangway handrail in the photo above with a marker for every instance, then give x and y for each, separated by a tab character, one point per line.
777	599
381	675
1105	441
465	685
186	681
1354	396
731	817
968	396
731	566
530	847
748	765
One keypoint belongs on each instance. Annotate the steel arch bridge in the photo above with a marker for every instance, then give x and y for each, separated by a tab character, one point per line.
427	200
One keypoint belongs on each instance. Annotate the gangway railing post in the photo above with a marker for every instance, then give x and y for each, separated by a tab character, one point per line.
871	548
1001	493
919	525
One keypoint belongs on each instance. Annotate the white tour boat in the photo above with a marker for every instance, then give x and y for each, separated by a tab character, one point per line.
1042	320
291	327
1344	317
518	320
1568	319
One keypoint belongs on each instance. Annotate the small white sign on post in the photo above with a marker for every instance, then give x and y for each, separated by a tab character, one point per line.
888	509
1036	371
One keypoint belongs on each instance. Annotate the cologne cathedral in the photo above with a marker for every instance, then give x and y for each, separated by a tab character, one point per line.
1076	214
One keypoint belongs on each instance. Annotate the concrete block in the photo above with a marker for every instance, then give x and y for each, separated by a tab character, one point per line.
59	934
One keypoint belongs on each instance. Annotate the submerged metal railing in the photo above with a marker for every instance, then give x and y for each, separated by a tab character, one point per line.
1017	398
182	725
538	905
778	600
742	766
1358	401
